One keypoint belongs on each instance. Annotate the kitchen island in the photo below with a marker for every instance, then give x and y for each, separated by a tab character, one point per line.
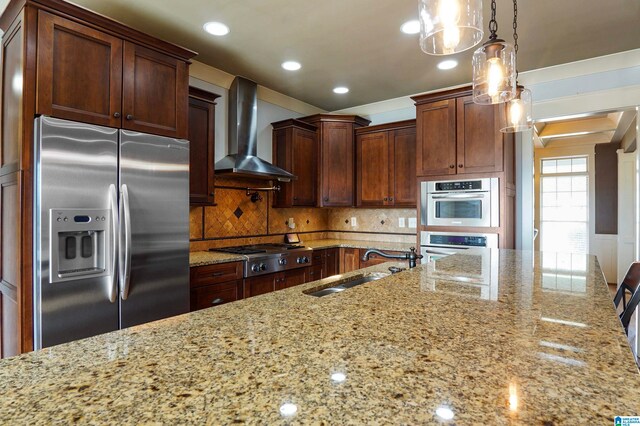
488	337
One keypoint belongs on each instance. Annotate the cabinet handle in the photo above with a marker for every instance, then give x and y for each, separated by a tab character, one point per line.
129	117
217	274
460	166
217	301
116	114
452	166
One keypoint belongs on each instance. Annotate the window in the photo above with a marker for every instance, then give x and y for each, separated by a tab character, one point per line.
564	205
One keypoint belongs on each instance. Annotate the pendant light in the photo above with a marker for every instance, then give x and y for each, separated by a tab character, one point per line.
517	116
494	68
449	26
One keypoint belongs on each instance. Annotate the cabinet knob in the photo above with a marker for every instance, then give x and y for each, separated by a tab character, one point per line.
326	199
129	117
295	198
390	198
460	166
452	166
212	194
385	198
217	301
116	114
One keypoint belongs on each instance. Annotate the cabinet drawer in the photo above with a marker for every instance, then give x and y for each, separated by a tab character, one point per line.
319	256
215	295
213	274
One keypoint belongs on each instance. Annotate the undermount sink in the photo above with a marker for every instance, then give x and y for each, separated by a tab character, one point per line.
343	285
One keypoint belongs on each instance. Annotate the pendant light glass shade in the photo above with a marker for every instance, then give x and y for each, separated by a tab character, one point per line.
494	73
449	26
518	116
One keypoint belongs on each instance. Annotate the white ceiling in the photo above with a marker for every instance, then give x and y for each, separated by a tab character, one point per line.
357	43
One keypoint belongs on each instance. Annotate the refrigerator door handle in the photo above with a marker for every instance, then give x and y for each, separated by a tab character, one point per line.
125	249
113	206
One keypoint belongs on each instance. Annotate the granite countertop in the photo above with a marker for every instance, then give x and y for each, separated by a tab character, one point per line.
202	258
488	337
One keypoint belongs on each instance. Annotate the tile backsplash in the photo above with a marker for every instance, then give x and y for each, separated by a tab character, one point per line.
236	220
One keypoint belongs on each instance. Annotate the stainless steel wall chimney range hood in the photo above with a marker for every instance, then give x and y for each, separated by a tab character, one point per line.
242	140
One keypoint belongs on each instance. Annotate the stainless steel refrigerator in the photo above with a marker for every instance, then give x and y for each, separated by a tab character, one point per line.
111	224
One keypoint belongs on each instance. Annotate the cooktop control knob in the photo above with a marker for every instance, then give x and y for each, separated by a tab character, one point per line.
303	259
263	267
255	268
282	261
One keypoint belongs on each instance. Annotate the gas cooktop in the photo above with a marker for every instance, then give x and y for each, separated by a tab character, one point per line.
269	258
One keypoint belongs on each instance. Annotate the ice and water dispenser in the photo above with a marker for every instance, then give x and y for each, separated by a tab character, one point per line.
78	239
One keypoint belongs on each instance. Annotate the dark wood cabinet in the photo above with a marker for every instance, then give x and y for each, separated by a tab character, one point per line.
291	278
315	272
457	136
332	262
214	285
386	165
264	284
349	259
336	151
88	75
79	72
155	92
201	146
295	149
62	60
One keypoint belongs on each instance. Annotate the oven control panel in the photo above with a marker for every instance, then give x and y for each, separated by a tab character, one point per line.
459	185
458	240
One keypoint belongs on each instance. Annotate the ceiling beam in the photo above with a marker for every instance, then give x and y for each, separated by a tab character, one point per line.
573	127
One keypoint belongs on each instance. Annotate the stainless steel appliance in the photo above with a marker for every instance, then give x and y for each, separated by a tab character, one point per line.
435	245
473	202
269	258
111	229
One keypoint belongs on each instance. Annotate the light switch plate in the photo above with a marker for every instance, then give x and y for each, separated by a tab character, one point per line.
354	222
401	222
412	222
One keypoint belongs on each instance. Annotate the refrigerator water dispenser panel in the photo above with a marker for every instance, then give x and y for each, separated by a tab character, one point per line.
79	245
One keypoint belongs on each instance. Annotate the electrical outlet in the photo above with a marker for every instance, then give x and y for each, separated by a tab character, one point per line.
412	222
401	222
354	222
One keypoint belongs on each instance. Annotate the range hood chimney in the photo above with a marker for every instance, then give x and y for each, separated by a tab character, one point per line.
242	140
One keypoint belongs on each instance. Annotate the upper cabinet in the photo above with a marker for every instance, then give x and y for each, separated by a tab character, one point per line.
295	149
386	165
201	146
456	135
98	77
336	175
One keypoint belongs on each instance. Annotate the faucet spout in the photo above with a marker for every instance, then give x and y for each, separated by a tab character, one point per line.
411	256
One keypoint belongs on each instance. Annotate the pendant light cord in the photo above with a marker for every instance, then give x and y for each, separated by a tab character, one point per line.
515	34
493	24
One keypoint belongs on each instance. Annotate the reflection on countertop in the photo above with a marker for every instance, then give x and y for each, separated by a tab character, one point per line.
410	348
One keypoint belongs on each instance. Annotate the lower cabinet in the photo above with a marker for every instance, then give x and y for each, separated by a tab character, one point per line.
350	259
331	263
215	285
255	286
315	272
292	278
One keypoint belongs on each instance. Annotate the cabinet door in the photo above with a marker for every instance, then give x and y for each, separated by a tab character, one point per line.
436	133
479	137
201	151
337	165
155	92
292	278
314	273
332	263
304	147
372	159
402	171
350	260
79	72
260	285
215	295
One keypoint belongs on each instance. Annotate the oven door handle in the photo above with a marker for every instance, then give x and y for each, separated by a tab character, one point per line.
458	196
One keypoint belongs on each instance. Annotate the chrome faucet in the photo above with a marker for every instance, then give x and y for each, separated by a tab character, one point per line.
411	256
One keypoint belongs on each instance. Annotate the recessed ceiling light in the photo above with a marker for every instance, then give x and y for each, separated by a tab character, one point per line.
216	28
341	90
291	65
411	27
448	64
